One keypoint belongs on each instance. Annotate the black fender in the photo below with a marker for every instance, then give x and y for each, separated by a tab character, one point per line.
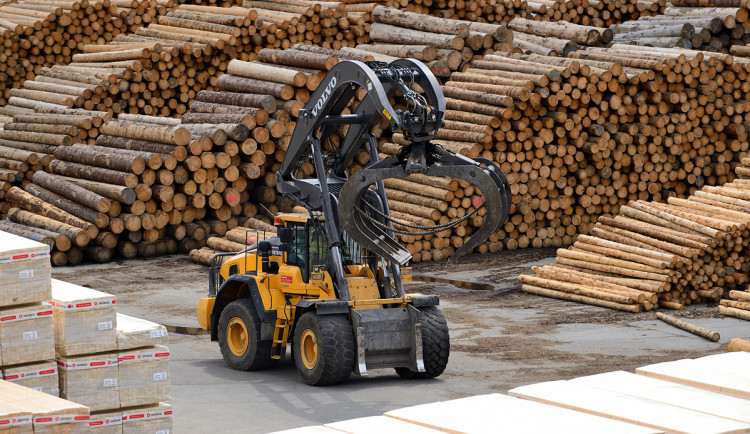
236	287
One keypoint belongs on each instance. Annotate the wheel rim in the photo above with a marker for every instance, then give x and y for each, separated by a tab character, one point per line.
309	349
237	336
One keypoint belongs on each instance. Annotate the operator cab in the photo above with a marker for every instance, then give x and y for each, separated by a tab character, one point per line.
306	244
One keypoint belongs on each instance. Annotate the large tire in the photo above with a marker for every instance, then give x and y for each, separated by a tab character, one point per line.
323	348
246	353
436	344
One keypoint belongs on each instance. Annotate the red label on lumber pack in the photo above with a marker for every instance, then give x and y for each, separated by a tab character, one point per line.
84	304
146	415
70	365
42	312
31	374
50	420
39	254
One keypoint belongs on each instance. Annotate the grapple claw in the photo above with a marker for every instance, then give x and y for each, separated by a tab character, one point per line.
369	227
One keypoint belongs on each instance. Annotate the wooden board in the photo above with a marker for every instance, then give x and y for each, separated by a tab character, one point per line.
90	380
49	413
26	334
676	394
25	270
15	420
139	333
152	419
41	376
482	413
144	376
106	422
378	425
703	373
85	320
626	408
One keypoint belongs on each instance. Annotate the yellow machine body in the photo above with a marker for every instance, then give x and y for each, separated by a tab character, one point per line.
281	291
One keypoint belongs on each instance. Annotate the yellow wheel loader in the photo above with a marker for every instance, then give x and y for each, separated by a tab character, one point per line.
330	281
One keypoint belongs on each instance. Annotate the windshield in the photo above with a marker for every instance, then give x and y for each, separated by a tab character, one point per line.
353	254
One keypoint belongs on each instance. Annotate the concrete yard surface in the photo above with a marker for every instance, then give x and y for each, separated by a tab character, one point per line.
500	340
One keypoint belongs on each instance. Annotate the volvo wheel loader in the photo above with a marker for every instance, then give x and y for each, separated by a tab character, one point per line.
330	281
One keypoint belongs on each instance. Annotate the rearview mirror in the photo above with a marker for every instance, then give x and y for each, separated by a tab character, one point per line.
285	235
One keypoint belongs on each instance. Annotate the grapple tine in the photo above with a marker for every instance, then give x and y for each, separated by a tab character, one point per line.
495	199
361	229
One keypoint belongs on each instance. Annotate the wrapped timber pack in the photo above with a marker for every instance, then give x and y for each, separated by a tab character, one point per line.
138	333
25	271
14	420
40	376
49	414
90	380
26	334
144	376
152	419
85	320
106	422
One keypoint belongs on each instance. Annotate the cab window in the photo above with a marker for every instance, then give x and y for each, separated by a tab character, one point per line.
298	250
318	246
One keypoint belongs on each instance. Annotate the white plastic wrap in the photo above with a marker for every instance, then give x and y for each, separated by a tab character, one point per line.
139	333
154	419
85	320
38	376
49	414
90	380
144	376
25	270
26	334
106	422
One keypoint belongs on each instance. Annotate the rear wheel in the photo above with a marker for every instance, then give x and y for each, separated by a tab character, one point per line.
436	344
323	348
239	337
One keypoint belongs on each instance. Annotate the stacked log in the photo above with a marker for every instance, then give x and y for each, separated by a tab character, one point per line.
232	240
482	11
282	24
443	44
133	14
595	13
708	26
680	252
154	71
39	33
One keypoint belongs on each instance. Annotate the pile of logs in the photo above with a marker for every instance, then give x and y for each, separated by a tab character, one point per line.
595	13
707	26
738	305
37	33
155	71
232	239
442	44
482	11
133	14
282	24
656	254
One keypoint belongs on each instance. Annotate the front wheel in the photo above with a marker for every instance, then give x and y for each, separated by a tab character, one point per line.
323	348
239	337
436	344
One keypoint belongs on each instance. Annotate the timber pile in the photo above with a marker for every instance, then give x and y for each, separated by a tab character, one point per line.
442	44
482	11
595	13
154	71
673	254
233	240
134	14
282	24
707	26
37	33
582	136
138	190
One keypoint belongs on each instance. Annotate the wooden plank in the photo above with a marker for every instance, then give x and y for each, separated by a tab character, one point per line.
378	425
90	380
26	334
153	418
25	270
143	376
40	376
676	394
85	319
477	413
626	408
702	373
49	413
138	333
